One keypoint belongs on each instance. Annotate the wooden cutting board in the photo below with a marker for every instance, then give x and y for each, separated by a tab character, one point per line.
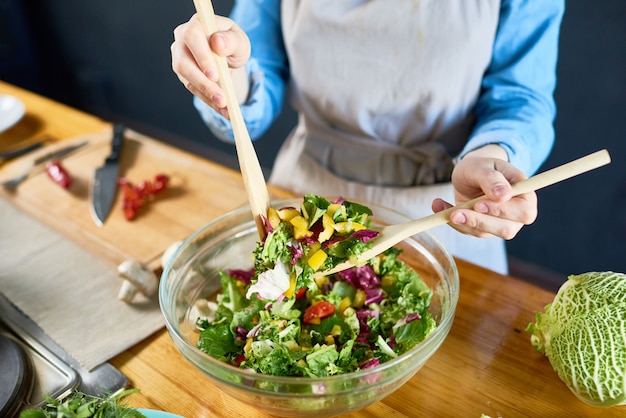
199	191
68	292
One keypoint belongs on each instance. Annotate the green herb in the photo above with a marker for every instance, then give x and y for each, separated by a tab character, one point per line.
81	405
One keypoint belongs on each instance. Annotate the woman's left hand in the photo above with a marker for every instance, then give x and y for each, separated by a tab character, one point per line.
486	171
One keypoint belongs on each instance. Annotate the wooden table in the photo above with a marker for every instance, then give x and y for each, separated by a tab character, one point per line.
485	366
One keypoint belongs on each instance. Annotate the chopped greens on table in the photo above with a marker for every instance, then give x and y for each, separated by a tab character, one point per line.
81	405
278	319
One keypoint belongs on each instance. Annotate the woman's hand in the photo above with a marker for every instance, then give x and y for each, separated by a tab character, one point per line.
486	171
194	63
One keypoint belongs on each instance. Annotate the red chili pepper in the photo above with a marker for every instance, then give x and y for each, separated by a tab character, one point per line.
58	174
318	311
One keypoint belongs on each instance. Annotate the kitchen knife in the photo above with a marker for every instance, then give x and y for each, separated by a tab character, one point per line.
104	183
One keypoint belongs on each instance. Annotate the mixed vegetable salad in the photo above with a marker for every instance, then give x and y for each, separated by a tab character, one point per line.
279	318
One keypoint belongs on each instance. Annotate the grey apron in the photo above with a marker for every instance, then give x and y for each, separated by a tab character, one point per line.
384	91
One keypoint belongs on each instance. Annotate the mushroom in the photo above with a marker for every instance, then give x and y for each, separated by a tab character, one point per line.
189	250
169	252
137	278
204	309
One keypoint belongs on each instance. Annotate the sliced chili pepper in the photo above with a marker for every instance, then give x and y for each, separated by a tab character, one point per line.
160	183
144	188
58	174
134	197
318	311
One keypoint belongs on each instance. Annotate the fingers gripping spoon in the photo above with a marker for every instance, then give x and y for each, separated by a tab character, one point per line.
251	171
393	234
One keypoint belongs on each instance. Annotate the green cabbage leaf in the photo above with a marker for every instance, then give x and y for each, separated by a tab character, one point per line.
583	335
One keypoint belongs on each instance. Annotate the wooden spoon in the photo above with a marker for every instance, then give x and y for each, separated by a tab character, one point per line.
393	234
251	171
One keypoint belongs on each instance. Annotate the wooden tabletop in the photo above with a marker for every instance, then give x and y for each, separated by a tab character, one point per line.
485	366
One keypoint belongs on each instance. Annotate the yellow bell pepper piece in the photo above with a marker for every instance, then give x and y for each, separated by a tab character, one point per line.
292	286
321	281
387	280
344	227
292	345
329	228
359	298
345	304
273	217
288	214
332	209
314	247
299	222
317	259
300	227
299	233
248	346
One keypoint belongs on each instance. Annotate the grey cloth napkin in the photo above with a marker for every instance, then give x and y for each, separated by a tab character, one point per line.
69	292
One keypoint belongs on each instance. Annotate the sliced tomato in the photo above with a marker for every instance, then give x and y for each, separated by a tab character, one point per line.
238	360
318	311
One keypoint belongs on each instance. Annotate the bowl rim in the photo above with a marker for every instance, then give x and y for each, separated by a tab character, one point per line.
443	327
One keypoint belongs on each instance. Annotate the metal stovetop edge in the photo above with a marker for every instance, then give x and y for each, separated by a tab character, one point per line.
103	380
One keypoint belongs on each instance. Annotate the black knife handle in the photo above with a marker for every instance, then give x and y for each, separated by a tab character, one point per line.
116	143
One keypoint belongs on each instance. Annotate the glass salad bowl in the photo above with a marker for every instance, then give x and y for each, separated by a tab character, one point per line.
228	243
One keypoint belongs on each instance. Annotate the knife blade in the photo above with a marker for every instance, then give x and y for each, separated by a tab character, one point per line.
104	183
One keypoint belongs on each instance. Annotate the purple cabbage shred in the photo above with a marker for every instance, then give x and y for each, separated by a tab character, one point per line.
364	235
242	275
241	333
408	318
362	277
374	295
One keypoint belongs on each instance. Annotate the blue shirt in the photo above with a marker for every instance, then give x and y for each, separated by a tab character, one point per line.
515	108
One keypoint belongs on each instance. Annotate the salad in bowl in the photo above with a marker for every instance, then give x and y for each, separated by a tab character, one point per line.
263	322
277	319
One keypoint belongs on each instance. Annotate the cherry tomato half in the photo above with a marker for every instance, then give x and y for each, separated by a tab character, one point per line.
238	360
318	311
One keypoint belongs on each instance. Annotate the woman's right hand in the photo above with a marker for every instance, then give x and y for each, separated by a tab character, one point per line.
194	63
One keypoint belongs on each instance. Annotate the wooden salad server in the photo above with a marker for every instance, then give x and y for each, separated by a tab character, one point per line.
393	234
254	181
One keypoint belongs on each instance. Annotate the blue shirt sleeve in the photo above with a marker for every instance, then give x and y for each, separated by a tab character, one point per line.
267	69
516	106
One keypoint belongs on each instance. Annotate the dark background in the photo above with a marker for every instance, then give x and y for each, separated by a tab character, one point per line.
112	58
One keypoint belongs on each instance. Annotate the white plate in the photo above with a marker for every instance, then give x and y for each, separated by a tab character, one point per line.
151	413
11	111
